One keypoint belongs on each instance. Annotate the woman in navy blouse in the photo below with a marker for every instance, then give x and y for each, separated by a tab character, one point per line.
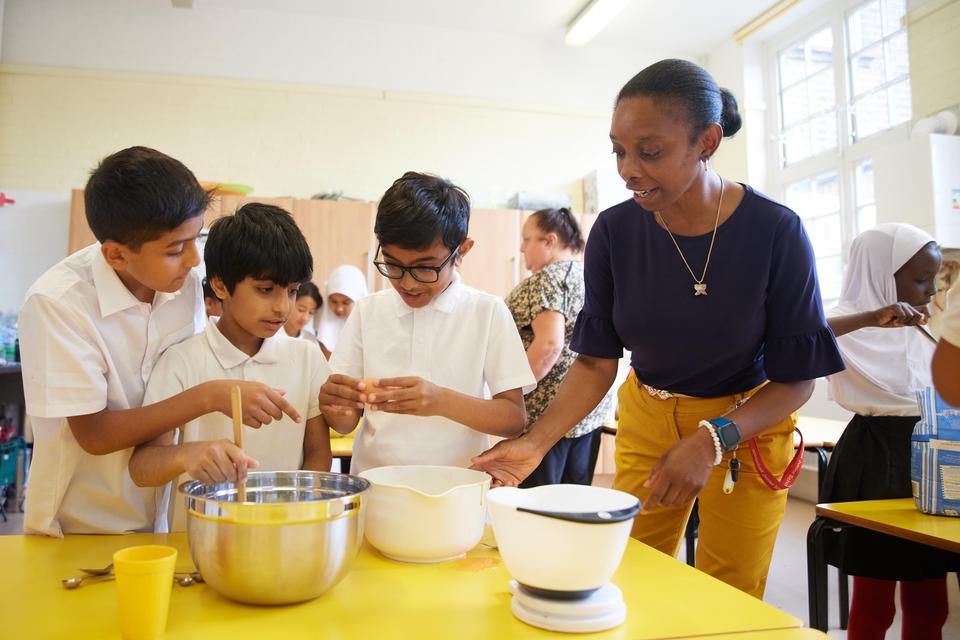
712	287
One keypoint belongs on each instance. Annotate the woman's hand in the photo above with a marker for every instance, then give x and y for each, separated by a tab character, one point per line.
409	395
681	472
900	314
509	462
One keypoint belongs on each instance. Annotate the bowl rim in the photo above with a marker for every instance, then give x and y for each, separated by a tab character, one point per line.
484	481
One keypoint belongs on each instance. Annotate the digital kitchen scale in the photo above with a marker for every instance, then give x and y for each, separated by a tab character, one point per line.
597	611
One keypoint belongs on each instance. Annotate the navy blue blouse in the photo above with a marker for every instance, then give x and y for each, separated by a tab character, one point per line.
761	319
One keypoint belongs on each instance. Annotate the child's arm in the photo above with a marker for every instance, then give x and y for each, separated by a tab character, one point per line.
341	401
160	461
896	315
316	445
108	431
503	415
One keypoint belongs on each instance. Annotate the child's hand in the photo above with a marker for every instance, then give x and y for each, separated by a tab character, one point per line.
409	395
262	404
342	395
215	461
900	314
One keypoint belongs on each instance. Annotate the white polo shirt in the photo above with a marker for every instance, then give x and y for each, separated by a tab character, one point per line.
296	366
463	340
88	344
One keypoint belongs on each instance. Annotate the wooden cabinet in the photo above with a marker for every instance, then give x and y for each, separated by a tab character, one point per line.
338	232
80	234
230	204
493	265
341	232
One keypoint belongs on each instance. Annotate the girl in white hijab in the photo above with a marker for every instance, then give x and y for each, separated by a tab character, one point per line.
345	286
889	282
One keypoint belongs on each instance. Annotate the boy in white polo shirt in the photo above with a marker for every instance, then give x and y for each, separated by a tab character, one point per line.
255	261
91	329
426	348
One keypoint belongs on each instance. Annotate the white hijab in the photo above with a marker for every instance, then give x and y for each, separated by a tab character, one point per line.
895	360
347	280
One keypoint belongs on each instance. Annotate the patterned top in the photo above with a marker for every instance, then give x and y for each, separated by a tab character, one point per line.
557	287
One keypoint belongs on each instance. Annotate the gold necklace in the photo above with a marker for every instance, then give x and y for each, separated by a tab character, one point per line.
699	286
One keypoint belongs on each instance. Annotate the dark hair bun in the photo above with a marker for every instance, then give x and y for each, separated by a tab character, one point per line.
730	119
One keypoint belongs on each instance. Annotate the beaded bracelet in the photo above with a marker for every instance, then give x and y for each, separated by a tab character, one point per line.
716	441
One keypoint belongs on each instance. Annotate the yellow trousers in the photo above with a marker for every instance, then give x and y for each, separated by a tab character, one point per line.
737	530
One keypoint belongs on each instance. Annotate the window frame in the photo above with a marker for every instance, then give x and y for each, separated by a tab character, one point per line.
848	153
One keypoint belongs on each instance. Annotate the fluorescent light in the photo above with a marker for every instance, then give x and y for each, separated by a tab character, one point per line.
591	20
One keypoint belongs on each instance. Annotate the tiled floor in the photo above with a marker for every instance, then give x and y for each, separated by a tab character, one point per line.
787	582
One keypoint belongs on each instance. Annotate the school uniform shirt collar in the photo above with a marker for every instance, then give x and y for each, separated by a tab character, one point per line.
229	356
445	302
112	295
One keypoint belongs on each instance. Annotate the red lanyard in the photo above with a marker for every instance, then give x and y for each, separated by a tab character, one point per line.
790	473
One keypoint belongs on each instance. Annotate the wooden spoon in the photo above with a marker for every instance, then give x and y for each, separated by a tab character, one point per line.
238	436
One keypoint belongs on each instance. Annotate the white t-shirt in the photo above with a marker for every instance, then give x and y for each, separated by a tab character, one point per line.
949	321
463	340
296	366
88	344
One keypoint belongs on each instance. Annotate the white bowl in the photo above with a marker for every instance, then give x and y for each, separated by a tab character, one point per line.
425	514
572	546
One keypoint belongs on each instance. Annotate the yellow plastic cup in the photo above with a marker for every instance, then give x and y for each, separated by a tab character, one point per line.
144	581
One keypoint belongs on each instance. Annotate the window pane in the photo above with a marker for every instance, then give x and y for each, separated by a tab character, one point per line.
794	104
864	26
825	234
898	58
796	143
894	11
864	183
814	197
830	274
866	70
822	94
792	65
866	218
826	189
899	97
869	115
820	51
823	133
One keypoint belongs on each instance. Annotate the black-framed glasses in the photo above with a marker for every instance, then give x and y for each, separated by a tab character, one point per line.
426	275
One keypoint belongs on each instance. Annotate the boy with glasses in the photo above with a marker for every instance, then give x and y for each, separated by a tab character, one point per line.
435	366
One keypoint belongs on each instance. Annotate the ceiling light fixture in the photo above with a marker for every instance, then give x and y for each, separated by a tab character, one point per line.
591	20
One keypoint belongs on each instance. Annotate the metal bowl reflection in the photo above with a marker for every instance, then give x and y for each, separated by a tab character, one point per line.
294	537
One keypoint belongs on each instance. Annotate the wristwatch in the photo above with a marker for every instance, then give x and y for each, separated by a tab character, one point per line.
727	432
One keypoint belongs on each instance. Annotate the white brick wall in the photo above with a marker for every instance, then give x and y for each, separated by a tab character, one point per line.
934	34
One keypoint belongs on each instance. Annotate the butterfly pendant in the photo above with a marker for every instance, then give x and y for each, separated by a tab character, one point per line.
700	289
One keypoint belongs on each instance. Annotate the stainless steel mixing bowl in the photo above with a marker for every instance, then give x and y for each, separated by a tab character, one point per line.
293	538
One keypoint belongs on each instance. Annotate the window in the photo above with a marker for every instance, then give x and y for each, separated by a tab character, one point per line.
879	67
841	81
866	209
817	201
808	121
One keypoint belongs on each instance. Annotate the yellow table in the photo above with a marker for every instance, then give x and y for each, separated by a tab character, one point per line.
341	446
897	517
779	634
378	598
900	518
